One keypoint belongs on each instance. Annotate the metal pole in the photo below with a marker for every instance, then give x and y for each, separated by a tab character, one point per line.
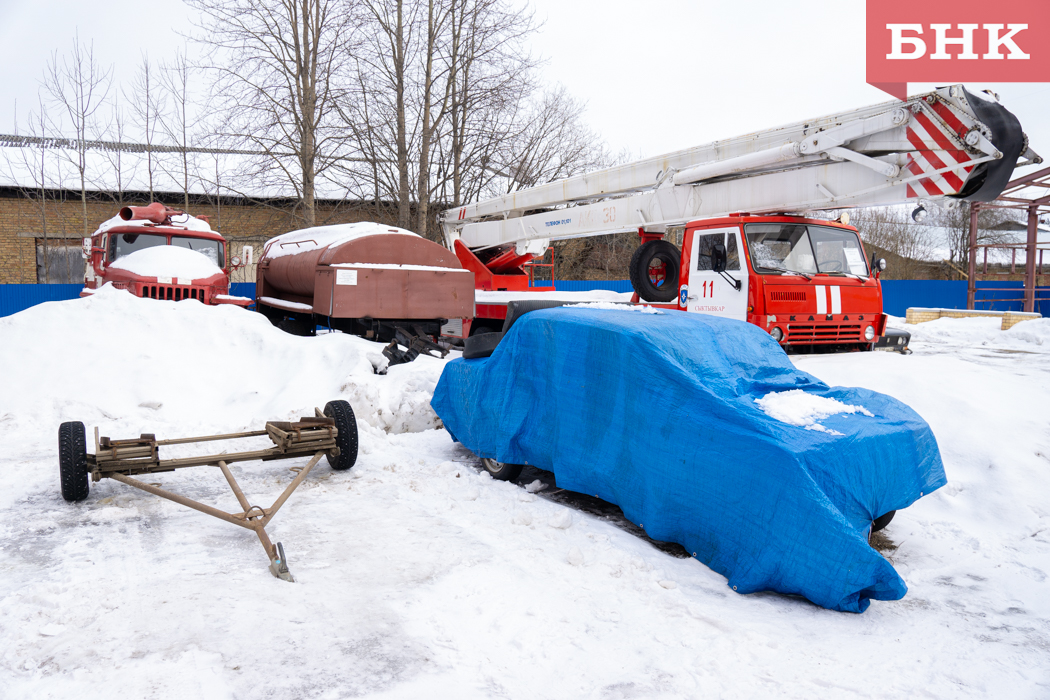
971	285
1029	263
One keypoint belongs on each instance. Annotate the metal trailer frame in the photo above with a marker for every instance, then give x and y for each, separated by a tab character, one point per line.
315	436
1028	193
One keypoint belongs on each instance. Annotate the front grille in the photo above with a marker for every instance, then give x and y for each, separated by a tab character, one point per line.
813	333
171	292
787	296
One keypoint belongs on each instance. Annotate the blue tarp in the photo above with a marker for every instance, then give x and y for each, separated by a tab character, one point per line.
657	414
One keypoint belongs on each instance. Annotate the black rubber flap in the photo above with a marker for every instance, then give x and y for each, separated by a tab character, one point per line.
990	179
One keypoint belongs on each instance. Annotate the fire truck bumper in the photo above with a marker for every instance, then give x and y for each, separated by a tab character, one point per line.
894	340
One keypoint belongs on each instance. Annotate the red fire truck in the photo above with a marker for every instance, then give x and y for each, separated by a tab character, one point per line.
157	252
748	249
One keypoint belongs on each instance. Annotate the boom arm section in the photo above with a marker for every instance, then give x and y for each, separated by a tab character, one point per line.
946	143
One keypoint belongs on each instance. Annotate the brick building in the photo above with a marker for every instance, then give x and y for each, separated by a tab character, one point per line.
40	236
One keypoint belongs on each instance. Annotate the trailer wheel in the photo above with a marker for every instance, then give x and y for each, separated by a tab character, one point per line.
882	521
654	271
501	470
346	424
296	326
72	461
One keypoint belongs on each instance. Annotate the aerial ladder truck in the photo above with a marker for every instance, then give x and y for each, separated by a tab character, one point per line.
749	250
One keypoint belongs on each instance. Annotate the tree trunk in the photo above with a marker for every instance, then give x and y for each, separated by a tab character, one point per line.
404	208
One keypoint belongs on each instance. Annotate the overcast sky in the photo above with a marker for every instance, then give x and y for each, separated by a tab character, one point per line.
656	76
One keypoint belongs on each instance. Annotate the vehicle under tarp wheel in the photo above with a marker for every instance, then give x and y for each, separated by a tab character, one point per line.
882	521
501	470
346	425
72	461
654	271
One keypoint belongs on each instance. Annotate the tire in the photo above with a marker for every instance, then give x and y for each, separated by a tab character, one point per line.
72	461
501	471
296	326
653	254
346	425
882	521
481	345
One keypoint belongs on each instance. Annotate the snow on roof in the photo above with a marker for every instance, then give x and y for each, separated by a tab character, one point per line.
167	261
802	409
394	266
324	236
190	223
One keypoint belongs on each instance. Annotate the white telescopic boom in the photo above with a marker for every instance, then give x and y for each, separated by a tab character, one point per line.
940	144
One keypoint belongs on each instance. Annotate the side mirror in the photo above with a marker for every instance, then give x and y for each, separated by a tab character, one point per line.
881	264
719	258
236	262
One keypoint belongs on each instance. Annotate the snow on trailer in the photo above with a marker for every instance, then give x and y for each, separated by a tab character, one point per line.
157	252
331	433
366	279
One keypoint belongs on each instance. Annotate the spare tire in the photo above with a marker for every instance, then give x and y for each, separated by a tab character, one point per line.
480	345
346	438
654	271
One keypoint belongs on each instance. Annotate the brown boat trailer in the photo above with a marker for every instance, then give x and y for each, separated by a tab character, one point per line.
331	433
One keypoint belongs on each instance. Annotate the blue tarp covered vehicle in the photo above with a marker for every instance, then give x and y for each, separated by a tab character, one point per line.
657	413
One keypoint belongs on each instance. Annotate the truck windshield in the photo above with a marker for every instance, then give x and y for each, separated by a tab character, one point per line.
213	250
122	244
805	249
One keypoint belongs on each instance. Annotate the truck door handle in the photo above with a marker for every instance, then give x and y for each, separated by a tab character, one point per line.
691	298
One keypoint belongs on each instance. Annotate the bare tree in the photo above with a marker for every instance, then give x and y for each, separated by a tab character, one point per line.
276	66
179	122
147	104
78	85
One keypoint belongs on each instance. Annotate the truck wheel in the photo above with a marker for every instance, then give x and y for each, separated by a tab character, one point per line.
654	271
346	440
72	461
296	326
882	521
501	470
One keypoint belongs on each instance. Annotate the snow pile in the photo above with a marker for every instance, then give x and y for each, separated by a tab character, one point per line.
803	409
418	576
318	237
1033	332
979	331
178	368
612	306
184	221
168	261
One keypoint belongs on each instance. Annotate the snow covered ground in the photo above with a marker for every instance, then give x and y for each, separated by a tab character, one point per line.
420	577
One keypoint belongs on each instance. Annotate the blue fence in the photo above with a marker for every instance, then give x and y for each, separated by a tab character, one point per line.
898	295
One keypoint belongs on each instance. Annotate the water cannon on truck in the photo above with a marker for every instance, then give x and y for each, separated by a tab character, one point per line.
156	252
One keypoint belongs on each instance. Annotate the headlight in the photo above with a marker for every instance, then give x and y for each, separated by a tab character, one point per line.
869	333
777	334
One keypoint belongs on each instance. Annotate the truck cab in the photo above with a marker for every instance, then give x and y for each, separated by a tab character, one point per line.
808	282
160	253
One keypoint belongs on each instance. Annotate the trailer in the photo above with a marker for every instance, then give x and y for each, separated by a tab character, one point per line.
331	433
753	248
368	279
